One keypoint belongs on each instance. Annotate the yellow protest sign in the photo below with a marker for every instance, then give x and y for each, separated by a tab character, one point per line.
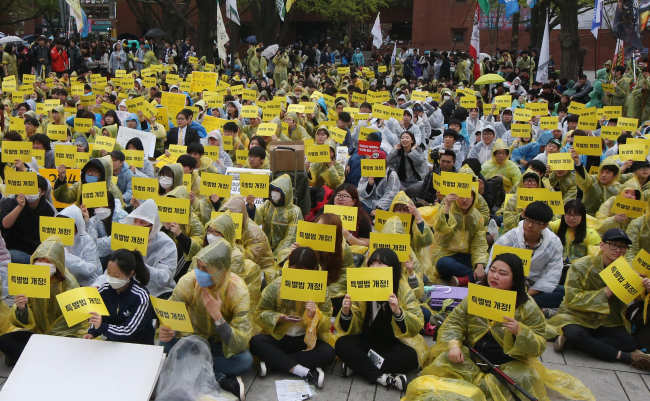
177	150
94	194
421	96
364	131
611	133
228	142
162	117
381	216
632	152
12	150
319	237
9	85
613	111
39	155
373	168
267	129
254	184
187	182
347	214
175	102
237	219
641	262
81	158
144	188
303	285
82	124
134	157
608	88
560	161
588	145
589	123
172	314
241	155
87	100
370	283
589	112
296	108
548	123
77	304
399	243
212	152
631	207
524	254
537	108
63	228
520	130
437	181
460	184
523	115
343	70
358	97
468	102
490	303
173	210
20	182
337	134
57	132
629	124
503	101
32	281
318	153
203	80
249	111
622	280
216	184
551	198
77	90
125	236
386	112
104	143
576	108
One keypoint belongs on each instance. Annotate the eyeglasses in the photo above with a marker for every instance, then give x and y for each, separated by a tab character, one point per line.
572	216
533	222
616	247
343	197
530	181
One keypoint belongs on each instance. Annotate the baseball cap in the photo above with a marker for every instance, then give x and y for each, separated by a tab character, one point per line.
616	234
418	107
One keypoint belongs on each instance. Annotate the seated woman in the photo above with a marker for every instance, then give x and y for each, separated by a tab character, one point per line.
100	225
330	174
347	195
409	161
421	235
125	292
262	156
295	334
514	344
42	315
81	258
605	219
215	139
389	328
146	171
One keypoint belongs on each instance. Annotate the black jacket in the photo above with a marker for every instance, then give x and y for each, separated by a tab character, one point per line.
191	136
445	69
24	234
130	315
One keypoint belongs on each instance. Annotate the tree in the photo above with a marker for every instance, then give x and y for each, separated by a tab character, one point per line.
51	15
16	11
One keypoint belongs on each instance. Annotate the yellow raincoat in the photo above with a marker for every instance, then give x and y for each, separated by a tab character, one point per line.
508	170
459	233
271	306
280	223
203	209
639	232
299	133
5	312
413	319
194	229
206	166
320	174
45	316
594	193
525	348
112	129
575	251
72	194
566	185
420	240
246	269
511	212
605	219
235	308
394	226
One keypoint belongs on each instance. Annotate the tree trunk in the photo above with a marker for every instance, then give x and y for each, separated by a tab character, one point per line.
532	28
514	38
206	27
569	40
266	21
335	35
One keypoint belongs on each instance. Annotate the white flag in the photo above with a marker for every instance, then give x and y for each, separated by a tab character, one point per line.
475	44
222	36
231	11
376	33
597	19
542	68
279	4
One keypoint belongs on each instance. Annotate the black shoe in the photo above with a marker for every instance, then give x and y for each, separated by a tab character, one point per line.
398	382
9	361
234	385
316	376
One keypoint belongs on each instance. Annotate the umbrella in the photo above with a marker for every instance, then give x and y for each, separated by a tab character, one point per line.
489	79
127	36
155	32
483	56
270	51
251	39
11	39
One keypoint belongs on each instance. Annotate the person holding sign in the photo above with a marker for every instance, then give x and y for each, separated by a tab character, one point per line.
574	233
219	307
546	264
409	161
146	171
514	344
81	259
224	161
500	170
605	219
96	170
42	315
295	334
331	173
99	225
127	300
204	164
591	317
296	131
123	173
640	173
42	142
20	221
108	131
387	330
421	235
598	188
511	213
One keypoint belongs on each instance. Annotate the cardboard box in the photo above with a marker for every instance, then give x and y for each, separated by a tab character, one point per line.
287	160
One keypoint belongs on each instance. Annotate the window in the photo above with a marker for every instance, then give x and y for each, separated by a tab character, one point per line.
458	37
99	9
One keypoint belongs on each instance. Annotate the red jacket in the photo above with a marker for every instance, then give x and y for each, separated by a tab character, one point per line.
59	61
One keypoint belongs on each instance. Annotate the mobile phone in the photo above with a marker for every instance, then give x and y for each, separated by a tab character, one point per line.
292	318
376	359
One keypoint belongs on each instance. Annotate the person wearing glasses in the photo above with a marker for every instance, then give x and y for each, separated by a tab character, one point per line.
546	264
599	187
511	213
591	317
606	219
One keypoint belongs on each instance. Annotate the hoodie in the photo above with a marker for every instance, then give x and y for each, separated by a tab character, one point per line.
595	193
72	194
81	258
508	170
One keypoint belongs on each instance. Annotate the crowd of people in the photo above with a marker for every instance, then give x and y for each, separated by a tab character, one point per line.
440	122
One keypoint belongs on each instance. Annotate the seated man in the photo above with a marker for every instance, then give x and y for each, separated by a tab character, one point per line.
591	316
450	141
546	264
123	173
596	189
257	159
446	162
203	163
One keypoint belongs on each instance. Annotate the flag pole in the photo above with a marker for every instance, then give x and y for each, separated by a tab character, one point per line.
461	27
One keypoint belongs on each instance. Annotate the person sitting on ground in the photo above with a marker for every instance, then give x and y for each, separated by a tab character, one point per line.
605	219
596	189
81	258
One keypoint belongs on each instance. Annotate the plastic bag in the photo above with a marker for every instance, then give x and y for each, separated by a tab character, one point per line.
493	229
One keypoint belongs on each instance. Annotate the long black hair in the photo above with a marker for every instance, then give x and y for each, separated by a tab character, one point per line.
303	258
388	257
578	207
131	261
518	277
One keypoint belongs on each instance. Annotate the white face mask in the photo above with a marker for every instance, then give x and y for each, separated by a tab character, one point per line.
166	182
211	238
116	282
32	198
446	97
102	212
52	267
276	196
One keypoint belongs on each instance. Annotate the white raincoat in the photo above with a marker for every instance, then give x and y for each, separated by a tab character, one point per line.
223	155
81	259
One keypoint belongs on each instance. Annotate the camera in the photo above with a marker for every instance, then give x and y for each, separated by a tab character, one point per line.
435	157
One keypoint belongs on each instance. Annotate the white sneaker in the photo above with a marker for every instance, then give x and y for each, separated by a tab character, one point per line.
345	371
262	369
